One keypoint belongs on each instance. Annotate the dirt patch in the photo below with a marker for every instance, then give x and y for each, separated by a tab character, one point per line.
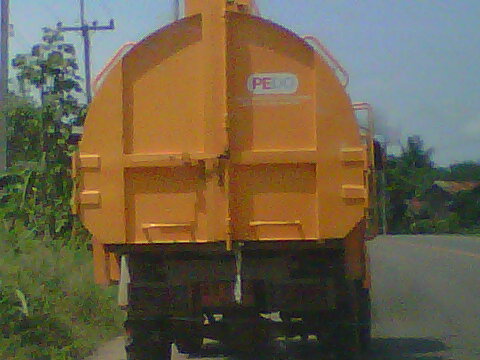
113	350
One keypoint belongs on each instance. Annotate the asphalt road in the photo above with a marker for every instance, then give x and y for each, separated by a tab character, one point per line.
426	297
426	303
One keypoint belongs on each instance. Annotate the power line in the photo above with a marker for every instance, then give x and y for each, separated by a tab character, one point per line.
85	29
18	35
51	11
106	8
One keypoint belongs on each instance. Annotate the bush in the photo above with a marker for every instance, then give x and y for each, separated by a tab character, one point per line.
49	306
449	225
423	226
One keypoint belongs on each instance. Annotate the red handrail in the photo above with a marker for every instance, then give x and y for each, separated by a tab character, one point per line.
255	9
364	106
330	57
120	52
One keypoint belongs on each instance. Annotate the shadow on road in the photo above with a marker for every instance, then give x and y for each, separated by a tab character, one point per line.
382	349
407	349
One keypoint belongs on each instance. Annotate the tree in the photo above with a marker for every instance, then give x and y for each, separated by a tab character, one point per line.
37	189
407	176
414	154
465	171
467	206
51	68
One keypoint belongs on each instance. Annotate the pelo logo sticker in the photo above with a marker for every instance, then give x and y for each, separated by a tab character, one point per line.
273	84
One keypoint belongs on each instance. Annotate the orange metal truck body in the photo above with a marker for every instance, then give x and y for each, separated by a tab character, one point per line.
224	175
222	127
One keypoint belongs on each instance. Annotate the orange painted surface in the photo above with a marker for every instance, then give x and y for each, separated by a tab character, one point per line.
221	127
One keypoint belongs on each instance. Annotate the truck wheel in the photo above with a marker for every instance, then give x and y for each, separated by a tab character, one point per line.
141	349
365	319
353	333
346	345
245	333
345	339
189	337
147	341
189	346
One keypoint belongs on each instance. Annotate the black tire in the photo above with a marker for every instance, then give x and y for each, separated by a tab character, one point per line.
354	330
191	346
344	342
189	337
345	339
365	319
148	340
245	333
140	350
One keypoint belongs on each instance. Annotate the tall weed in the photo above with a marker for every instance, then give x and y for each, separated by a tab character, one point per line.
49	306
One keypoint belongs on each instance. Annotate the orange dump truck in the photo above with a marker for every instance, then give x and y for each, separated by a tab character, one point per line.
228	187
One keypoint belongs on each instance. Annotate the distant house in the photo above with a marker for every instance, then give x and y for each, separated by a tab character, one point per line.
453	187
442	193
417	207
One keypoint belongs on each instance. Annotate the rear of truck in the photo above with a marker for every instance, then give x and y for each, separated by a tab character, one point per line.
228	187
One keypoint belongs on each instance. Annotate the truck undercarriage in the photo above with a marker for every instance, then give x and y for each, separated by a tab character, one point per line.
245	298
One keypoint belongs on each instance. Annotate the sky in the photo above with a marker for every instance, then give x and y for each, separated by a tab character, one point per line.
416	61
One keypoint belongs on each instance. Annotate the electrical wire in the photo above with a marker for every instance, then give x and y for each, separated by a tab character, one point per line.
19	38
106	9
51	11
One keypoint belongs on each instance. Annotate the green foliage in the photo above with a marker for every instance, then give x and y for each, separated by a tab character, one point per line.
51	67
407	176
466	171
411	176
49	306
39	154
24	129
467	205
450	224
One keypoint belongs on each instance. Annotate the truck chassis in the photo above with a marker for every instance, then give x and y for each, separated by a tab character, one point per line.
245	298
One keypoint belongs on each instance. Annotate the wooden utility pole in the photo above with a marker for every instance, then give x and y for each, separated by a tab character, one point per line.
85	29
5	32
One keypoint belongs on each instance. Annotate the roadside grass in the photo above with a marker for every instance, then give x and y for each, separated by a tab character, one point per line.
50	309
473	231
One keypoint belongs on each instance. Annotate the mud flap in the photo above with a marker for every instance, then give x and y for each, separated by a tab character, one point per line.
124	282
